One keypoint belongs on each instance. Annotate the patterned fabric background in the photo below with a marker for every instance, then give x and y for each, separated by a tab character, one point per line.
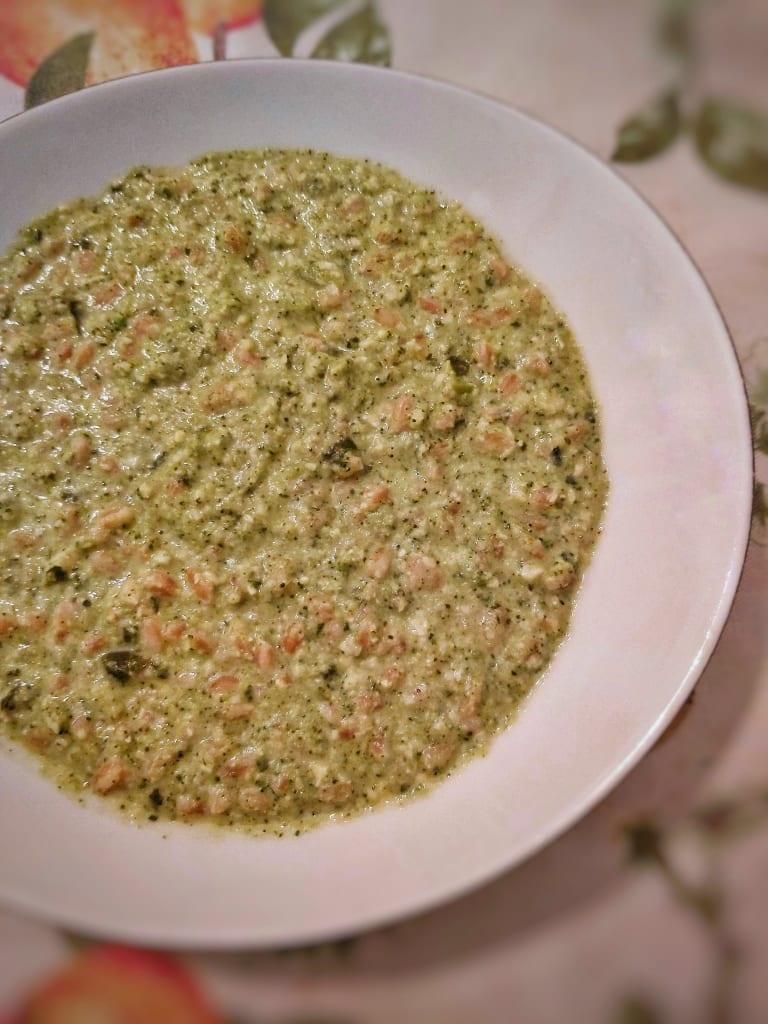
654	908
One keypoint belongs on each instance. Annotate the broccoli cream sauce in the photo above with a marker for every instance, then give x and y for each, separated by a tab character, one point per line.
298	477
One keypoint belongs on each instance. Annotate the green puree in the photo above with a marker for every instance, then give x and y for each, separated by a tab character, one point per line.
298	478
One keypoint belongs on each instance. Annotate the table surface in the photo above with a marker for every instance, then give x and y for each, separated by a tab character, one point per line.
654	908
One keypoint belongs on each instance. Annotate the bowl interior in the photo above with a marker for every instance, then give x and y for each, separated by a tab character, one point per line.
676	442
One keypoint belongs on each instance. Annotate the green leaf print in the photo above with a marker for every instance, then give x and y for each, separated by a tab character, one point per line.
635	1010
76	942
760	504
675	26
361	37
644	843
732	139
285	20
758	411
760	430
650	131
760	393
63	71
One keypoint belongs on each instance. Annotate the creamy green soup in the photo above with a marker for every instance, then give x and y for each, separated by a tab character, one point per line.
298	477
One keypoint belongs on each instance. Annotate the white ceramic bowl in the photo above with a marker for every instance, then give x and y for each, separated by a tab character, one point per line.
678	450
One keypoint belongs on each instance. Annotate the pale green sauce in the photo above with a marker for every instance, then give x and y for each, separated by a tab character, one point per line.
297	482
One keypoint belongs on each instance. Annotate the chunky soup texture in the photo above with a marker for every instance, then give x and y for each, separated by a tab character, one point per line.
298	477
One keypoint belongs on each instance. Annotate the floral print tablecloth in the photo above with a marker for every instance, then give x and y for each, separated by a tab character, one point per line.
654	908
